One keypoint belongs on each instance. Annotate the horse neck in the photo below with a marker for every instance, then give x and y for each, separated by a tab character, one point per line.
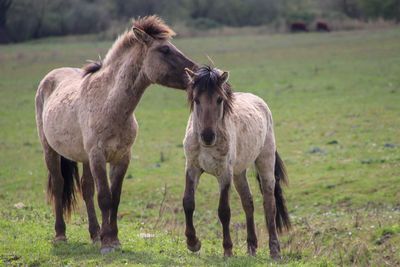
129	84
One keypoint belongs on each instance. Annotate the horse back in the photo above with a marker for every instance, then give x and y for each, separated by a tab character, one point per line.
57	77
253	126
251	112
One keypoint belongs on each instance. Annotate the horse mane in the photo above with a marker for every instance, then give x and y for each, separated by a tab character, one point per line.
207	80
155	27
152	25
92	67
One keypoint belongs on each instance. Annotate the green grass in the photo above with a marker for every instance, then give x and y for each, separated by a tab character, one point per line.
336	105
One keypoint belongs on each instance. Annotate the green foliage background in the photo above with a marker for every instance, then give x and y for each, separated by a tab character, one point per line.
27	19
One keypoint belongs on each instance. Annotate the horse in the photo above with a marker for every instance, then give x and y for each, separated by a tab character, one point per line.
226	133
86	115
322	26
298	27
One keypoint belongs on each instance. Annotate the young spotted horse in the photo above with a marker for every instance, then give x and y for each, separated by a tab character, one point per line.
86	115
225	134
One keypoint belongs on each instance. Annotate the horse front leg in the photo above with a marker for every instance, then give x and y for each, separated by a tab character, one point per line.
98	168
88	193
117	174
224	213
192	179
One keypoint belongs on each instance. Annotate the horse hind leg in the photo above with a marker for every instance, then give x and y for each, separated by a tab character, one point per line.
265	168
242	187
55	186
88	193
60	188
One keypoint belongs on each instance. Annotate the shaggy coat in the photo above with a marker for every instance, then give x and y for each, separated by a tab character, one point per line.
226	134
234	147
86	115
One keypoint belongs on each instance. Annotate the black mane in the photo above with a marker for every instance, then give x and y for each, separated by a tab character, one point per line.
206	80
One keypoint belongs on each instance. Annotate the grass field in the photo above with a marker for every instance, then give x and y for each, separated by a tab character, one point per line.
336	105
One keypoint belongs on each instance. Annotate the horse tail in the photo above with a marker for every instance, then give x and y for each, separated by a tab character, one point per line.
282	218
70	174
282	215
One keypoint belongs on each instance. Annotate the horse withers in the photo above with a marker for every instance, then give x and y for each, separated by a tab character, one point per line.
86	115
226	133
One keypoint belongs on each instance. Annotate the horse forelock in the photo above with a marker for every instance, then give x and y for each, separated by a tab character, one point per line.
207	80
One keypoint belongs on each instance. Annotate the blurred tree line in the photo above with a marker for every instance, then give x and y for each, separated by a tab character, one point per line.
27	19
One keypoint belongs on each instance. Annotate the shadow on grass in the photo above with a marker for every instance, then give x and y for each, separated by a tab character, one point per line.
244	260
235	261
88	253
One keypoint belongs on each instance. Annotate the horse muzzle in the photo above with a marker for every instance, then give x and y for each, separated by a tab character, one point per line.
208	137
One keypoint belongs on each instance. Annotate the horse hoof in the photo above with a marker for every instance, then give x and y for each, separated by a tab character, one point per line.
60	239
228	253
96	240
251	250
106	250
196	247
276	256
116	245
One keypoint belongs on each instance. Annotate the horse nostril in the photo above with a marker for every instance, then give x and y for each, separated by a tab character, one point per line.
208	136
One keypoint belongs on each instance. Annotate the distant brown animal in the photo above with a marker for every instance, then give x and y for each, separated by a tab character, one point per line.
227	133
86	115
322	27
298	27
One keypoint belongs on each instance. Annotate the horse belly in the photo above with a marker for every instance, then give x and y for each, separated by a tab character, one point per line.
244	159
250	138
61	127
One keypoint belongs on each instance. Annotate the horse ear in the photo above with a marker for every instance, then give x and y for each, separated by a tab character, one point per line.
142	36
224	77
190	74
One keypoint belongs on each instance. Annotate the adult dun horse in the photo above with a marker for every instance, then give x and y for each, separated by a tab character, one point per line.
86	115
226	133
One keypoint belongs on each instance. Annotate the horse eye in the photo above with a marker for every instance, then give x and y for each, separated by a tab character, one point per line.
164	49
219	100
